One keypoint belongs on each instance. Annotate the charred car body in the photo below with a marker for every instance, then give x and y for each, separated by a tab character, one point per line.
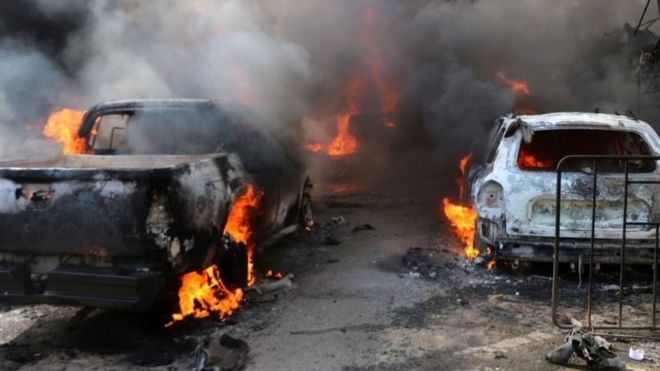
514	188
114	227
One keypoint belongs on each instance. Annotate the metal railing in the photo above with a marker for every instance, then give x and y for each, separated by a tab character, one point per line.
595	161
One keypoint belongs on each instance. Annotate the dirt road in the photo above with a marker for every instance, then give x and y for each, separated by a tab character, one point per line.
363	299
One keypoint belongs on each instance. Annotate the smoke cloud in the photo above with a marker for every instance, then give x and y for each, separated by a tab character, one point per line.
290	61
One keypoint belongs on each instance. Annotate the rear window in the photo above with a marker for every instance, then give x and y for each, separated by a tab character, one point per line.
547	147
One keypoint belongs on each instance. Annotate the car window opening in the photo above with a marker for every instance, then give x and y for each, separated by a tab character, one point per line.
548	147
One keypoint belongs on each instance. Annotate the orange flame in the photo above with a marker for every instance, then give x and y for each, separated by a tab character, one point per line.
377	76
527	161
462	218
203	293
462	165
272	274
521	91
199	296
345	142
239	224
517	86
63	126
315	147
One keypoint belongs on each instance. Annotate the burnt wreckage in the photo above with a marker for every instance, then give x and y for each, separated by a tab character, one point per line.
609	167
115	227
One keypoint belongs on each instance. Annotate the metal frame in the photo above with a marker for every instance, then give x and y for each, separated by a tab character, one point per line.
555	274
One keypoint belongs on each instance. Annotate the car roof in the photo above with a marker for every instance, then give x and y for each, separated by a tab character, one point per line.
579	120
123	106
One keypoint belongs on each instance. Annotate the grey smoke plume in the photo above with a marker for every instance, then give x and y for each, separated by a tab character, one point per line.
290	59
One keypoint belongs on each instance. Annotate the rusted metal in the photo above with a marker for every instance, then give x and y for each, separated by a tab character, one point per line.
650	222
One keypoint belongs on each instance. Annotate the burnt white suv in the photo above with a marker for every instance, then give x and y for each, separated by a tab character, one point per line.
514	187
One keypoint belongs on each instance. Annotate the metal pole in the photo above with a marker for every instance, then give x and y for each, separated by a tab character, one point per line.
593	239
655	269
555	256
623	241
642	17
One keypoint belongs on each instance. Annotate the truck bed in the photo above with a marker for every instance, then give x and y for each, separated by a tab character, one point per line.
99	167
109	162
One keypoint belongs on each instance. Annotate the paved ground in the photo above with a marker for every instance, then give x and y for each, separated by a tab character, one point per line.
369	302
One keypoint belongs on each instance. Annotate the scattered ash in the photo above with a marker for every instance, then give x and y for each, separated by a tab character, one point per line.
466	286
18	354
430	263
162	353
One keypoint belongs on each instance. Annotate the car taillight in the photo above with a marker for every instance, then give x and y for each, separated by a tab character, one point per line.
490	196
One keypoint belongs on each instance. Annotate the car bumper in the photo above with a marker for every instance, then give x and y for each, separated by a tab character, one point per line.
605	251
75	286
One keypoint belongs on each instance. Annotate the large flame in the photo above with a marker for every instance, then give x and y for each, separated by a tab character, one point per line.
240	221
63	126
375	75
345	142
203	293
462	218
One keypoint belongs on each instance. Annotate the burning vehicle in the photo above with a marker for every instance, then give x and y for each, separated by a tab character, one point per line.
147	191
514	188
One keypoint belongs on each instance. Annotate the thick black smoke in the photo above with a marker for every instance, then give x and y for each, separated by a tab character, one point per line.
290	60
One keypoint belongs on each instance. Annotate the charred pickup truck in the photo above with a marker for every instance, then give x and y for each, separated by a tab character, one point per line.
514	188
114	227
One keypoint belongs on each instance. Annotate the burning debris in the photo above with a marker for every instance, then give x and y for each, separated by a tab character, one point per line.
273	274
240	224
204	293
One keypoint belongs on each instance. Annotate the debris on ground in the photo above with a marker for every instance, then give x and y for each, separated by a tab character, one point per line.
342	204
332	241
636	354
337	221
363	227
227	354
162	352
19	353
283	284
594	349
427	263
